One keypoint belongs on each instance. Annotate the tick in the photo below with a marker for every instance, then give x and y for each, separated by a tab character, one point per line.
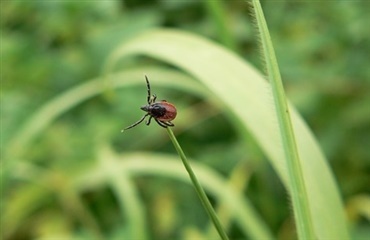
163	112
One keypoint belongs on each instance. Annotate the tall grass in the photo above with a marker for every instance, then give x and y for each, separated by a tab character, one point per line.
222	79
298	189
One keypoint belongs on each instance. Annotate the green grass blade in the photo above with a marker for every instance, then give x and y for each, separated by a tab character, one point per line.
219	16
127	195
198	188
298	190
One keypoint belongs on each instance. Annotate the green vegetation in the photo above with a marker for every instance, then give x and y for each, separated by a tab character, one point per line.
72	76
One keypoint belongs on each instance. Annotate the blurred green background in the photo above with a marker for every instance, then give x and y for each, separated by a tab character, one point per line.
50	47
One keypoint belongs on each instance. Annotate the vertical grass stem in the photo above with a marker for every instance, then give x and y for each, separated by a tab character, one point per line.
297	189
202	195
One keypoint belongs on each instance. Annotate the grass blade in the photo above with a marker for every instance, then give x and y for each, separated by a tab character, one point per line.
198	188
298	190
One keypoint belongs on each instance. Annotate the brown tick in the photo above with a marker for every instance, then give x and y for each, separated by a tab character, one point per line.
163	112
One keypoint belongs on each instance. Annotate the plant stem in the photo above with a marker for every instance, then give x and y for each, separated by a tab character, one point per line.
202	195
297	187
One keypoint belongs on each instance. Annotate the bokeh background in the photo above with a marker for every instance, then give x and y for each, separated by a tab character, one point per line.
50	47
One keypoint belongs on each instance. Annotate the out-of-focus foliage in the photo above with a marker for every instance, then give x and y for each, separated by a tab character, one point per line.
49	47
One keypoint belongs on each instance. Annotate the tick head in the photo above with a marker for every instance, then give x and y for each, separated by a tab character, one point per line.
145	108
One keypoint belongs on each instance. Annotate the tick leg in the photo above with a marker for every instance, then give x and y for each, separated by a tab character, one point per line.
160	123
170	124
138	122
148	122
148	87
152	99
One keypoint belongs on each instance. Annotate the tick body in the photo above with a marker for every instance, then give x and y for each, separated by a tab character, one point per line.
163	112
